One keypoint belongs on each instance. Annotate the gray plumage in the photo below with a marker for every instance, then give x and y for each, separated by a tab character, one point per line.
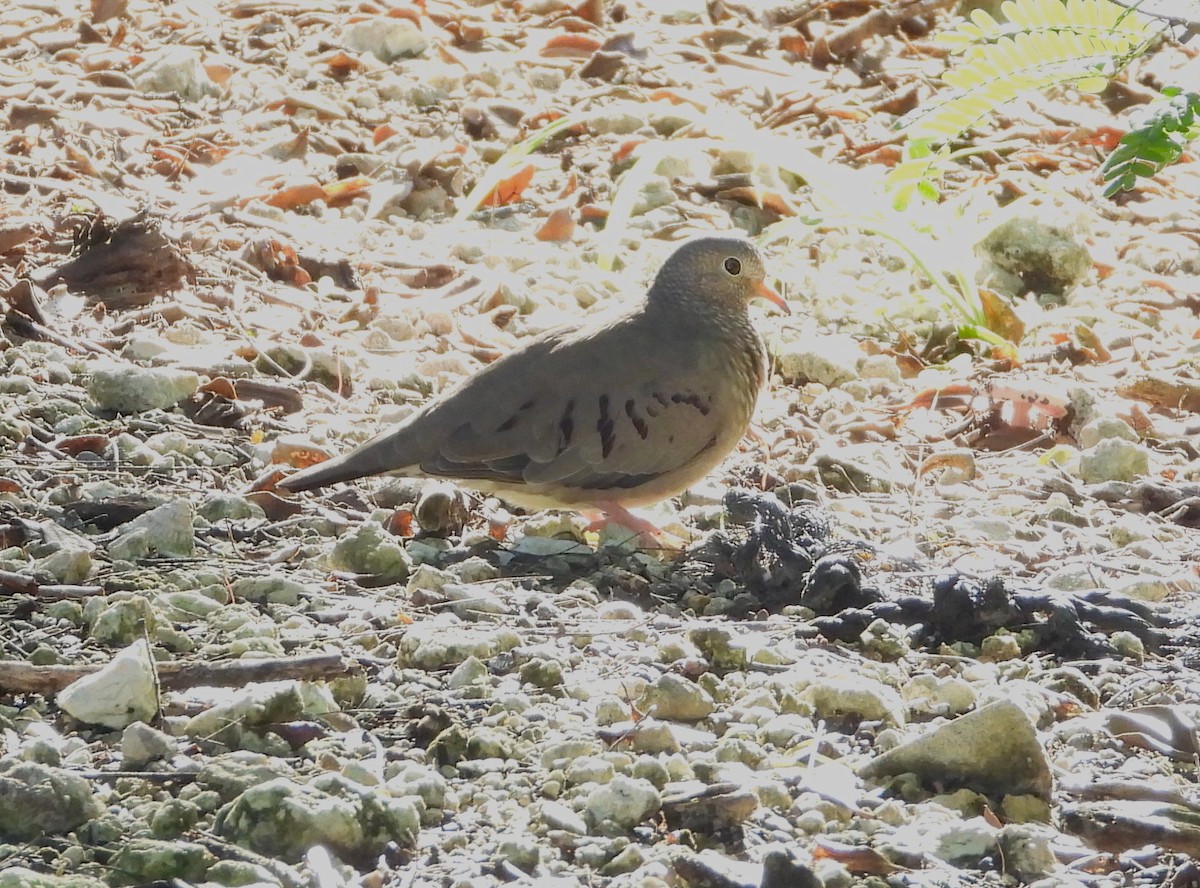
625	411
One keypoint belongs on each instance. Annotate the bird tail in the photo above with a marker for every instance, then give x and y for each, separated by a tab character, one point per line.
383	454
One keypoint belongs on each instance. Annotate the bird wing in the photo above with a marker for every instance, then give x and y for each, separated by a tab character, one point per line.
594	410
598	408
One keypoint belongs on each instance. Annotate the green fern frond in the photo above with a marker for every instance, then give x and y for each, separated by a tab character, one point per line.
1168	125
1101	18
1042	43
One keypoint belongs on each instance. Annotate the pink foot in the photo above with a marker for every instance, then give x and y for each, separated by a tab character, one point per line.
615	513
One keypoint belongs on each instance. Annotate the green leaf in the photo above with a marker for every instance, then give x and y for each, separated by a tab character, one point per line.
1167	125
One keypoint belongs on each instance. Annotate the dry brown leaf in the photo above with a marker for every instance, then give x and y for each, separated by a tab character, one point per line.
626	148
341	64
382	133
77	444
591	11
273	505
559	226
999	316
858	859
103	10
510	189
219	73
222	386
296	193
343	190
297	456
571	45
757	197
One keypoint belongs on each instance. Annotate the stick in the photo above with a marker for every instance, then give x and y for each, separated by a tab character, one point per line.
18	677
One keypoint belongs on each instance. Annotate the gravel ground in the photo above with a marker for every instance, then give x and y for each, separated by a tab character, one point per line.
934	625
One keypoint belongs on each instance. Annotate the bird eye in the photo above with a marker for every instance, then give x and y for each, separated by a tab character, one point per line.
733	266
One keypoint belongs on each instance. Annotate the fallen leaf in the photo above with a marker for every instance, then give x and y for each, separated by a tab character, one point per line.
77	444
343	190
626	148
570	46
382	133
297	456
341	64
296	193
510	189
559	226
858	859
103	10
999	316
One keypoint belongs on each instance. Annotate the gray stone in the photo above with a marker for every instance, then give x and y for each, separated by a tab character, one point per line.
624	801
1028	850
1045	257
141	861
673	698
129	389
20	877
370	549
1113	459
142	744
558	816
284	820
828	360
1104	427
165	530
993	750
36	800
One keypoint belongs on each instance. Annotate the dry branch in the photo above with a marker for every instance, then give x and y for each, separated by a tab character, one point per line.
18	677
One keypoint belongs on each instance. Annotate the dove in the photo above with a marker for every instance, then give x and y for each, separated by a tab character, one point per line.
602	416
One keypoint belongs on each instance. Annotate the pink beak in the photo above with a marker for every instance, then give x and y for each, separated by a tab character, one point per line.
765	292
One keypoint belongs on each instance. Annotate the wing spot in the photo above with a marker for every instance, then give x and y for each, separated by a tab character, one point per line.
566	428
692	400
639	424
512	421
604	426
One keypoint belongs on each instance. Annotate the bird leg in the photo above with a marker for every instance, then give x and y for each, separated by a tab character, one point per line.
607	513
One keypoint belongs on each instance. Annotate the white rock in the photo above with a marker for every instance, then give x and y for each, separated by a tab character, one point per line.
625	801
386	38
121	693
176	69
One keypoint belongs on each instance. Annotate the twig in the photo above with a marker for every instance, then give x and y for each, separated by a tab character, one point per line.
19	584
883	20
18	677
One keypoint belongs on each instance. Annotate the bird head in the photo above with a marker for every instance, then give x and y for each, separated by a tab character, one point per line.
714	275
